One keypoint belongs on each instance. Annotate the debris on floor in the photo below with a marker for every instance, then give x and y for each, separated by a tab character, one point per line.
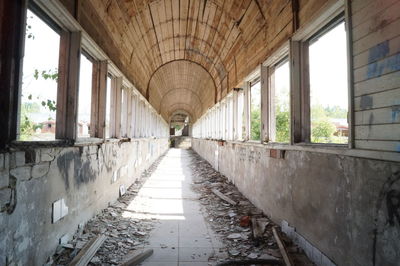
123	235
246	233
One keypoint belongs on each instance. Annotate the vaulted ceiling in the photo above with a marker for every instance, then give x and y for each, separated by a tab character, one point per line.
187	54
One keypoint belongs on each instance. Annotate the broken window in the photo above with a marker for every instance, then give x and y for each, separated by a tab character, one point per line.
328	84
108	107
255	110
280	102
84	96
38	102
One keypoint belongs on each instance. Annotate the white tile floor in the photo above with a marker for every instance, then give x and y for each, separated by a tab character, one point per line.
181	235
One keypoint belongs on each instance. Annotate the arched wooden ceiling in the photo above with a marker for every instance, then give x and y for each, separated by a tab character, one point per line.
227	38
181	81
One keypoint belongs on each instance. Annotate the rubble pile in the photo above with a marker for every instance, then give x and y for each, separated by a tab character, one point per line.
244	230
123	235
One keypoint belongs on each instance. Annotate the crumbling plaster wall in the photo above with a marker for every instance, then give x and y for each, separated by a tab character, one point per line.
348	207
87	178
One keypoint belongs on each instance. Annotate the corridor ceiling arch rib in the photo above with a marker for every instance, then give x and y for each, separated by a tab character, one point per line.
182	82
177	107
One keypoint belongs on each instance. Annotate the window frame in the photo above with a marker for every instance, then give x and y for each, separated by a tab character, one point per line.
93	98
280	57
250	84
300	76
35	9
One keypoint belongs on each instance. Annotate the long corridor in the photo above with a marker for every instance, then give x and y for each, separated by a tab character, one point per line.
181	236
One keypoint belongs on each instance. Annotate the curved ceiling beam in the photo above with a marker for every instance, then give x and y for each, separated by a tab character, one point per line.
181	106
194	106
179	60
177	112
189	110
211	60
171	90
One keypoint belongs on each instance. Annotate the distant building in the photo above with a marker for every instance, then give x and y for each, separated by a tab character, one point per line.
342	127
48	126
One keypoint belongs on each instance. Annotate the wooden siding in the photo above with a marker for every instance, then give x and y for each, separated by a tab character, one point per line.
376	55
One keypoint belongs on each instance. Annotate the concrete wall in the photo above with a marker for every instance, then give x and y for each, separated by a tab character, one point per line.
87	178
348	207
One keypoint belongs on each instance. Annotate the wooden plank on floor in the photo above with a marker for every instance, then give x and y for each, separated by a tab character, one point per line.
88	251
282	248
223	197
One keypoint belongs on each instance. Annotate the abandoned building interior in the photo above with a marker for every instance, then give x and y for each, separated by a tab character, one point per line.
183	125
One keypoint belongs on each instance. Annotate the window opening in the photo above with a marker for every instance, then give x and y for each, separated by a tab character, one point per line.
328	85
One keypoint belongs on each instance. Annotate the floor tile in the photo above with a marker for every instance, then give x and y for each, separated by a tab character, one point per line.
195	254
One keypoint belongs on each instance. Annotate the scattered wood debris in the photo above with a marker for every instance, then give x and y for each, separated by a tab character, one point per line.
222	196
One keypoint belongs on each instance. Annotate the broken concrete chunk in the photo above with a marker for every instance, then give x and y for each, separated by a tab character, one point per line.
95	260
64	239
80	244
234	252
252	255
234	236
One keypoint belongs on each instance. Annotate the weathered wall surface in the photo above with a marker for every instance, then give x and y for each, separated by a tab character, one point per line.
87	178
376	59
345	206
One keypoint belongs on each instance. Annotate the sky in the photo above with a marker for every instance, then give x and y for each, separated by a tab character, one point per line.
328	69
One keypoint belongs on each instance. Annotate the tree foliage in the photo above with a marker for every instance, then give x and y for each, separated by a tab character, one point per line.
255	129
282	126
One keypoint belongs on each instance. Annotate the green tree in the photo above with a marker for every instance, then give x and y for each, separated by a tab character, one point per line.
335	112
255	122
282	121
27	127
322	131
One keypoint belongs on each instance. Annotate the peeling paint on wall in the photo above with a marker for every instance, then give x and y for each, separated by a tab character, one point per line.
395	113
387	65
379	51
